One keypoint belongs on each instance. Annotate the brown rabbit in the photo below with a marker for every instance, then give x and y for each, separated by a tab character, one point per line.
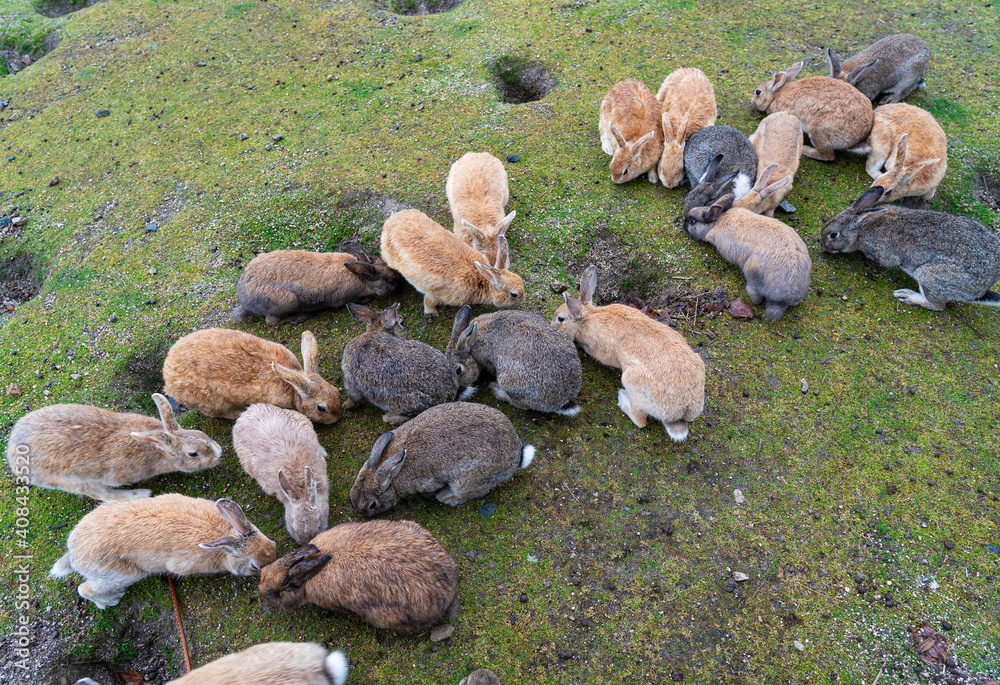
120	543
477	194
835	114
662	376
909	152
289	286
392	574
777	140
272	663
630	130
220	372
894	65
88	451
688	105
443	268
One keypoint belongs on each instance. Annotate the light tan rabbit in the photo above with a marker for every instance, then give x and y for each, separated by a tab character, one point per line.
477	194
688	105
835	114
120	543
909	152
272	663
443	268
630	130
777	140
220	372
89	451
662	376
279	448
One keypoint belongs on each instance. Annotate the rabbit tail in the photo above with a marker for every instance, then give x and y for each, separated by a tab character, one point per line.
62	568
240	313
678	431
990	298
527	456
465	392
336	667
571	408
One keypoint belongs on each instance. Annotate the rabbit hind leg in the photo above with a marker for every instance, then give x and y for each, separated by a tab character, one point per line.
96	490
106	592
823	154
503	396
639	417
907	296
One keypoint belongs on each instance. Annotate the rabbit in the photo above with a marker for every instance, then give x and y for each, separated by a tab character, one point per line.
536	366
280	450
220	372
88	451
662	376
778	140
443	268
774	259
455	452
909	152
835	114
271	663
477	193
392	574
481	676
402	377
893	66
688	105
289	286
713	158
631	131
120	543
952	258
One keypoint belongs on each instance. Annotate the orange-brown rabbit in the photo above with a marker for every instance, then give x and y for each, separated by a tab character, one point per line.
909	152
688	105
477	194
631	130
272	663
777	140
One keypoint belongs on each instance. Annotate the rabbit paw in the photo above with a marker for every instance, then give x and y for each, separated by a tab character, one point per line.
638	417
395	419
907	296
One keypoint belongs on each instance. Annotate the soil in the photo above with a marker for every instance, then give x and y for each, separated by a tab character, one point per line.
138	378
518	80
987	190
417	7
60	8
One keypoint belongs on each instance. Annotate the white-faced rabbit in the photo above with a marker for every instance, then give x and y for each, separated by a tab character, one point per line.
89	451
714	157
443	268
631	131
909	152
454	452
392	574
220	372
772	256
894	66
777	140
280	450
400	376
952	258
272	663
835	114
289	286
535	365
688	105
477	194
120	543
662	376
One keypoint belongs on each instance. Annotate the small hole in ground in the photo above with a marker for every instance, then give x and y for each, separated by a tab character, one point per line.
60	8
987	190
15	59
20	280
519	80
418	6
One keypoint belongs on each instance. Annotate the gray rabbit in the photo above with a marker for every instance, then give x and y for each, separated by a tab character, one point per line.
402	377
894	65
455	452
714	157
952	258
536	366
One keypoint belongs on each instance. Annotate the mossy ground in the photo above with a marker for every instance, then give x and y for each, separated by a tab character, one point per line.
373	109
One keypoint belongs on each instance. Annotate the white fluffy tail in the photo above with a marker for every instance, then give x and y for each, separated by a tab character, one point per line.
336	667
466	393
527	456
569	409
62	568
678	431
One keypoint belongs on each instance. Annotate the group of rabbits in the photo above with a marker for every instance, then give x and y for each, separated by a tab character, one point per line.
737	182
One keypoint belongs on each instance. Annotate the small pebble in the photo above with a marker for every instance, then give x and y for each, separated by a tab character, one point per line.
523	598
746	393
54	181
152	227
13	390
738	496
558	288
740	577
513	158
277	138
487	510
946	625
243	136
101	113
948	544
76	376
799	646
805	386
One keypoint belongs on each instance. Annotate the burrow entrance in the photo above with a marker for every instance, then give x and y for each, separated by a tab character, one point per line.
519	80
413	7
60	8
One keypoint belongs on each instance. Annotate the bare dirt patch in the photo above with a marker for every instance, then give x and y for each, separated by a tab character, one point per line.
987	190
417	7
138	378
13	60
518	80
20	280
60	8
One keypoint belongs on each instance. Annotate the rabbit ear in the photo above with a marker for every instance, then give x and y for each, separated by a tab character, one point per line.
356	250
765	176
869	198
310	353
467	339
312	488
725	180
365	270
388	470
666	125
713	168
641	143
909	172
619	138
588	284
161	439
166	413
303	552
720	206
681	129
228	545
834	62
503	254
286	487
377	449
362	313
870	215
306	568
390	316
296	379
234	516
793	71
901	150
462	319
858	73
478	237
490	274
769	190
502	225
574	305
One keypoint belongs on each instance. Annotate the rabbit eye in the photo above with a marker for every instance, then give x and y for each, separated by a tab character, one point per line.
624	171
561	318
514	294
321	408
459	369
758	91
373	505
192	454
833	236
254	566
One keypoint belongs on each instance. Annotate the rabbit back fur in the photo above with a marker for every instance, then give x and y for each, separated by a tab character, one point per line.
631	130
902	63
287	663
777	140
477	193
688	105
